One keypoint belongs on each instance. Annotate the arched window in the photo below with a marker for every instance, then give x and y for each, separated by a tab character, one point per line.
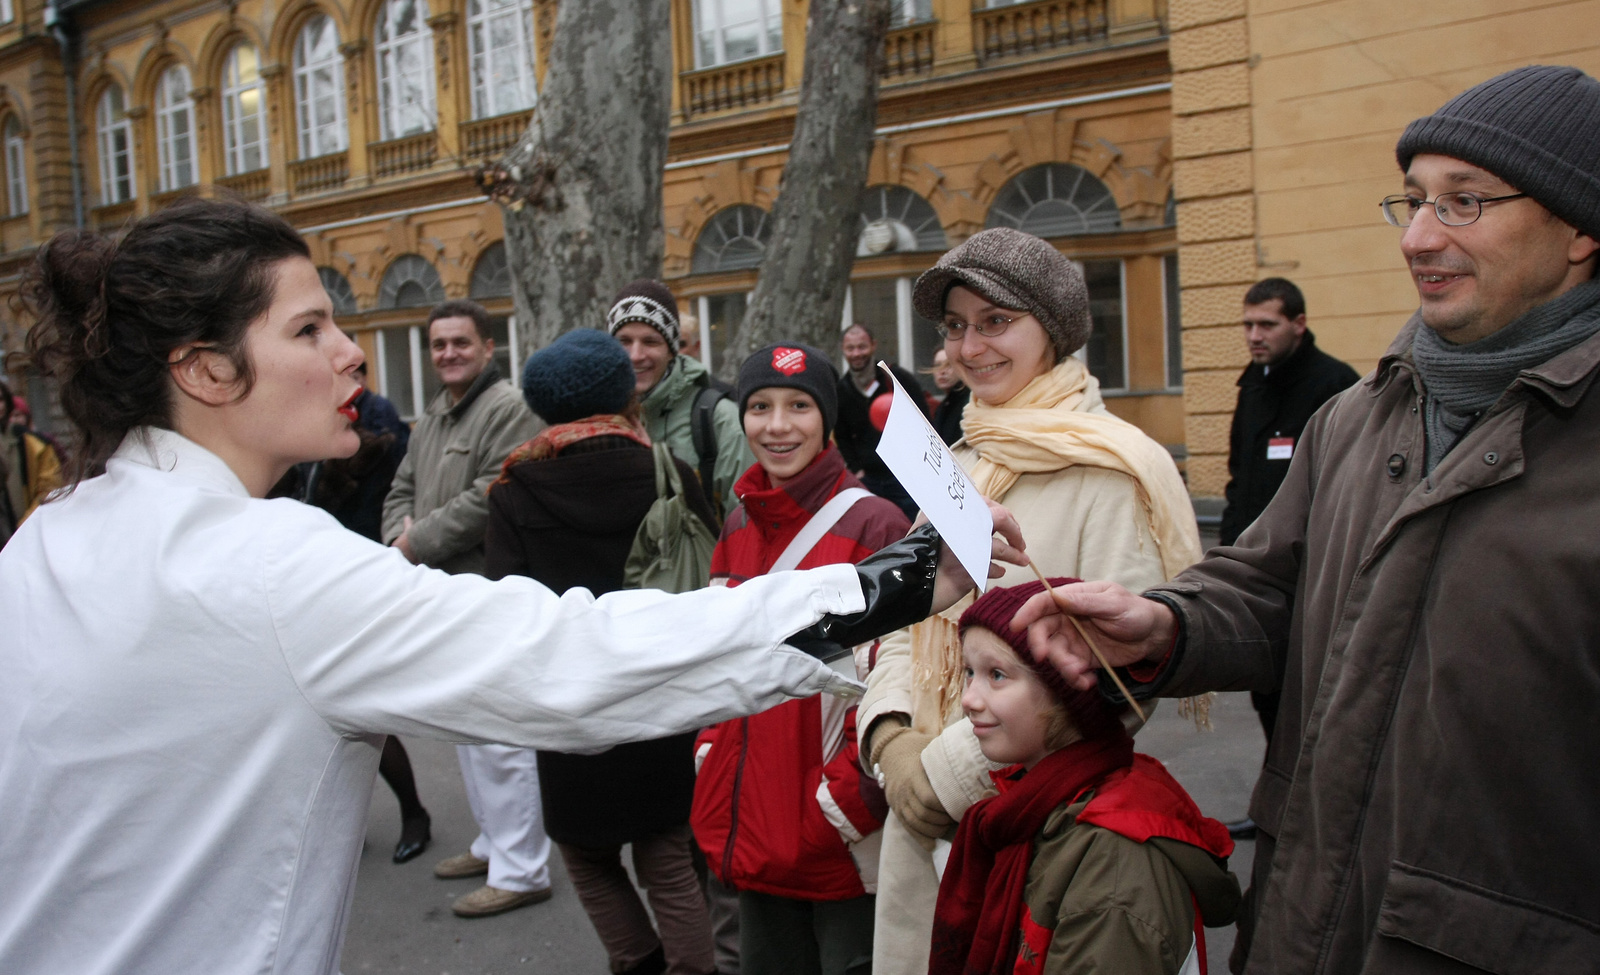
244	111
731	30
338	288
16	168
491	276
500	36
319	89
174	129
114	134
1055	200
410	282
734	239
405	68
894	218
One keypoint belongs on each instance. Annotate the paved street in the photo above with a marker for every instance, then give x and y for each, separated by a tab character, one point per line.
401	923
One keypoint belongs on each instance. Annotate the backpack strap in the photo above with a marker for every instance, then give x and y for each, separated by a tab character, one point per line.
826	517
703	434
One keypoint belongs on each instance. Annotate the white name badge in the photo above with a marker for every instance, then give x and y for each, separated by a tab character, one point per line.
1280	448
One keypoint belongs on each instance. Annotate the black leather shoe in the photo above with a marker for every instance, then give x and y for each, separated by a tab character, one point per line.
897	581
415	835
1244	829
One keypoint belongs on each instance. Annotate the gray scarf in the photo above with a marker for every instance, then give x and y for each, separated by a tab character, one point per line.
1464	381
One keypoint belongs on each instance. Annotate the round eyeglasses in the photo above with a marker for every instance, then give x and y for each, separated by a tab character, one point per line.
1453	209
956	329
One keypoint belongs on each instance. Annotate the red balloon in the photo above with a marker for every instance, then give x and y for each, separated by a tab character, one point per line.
879	410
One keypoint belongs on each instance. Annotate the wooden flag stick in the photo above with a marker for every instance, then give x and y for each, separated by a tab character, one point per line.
1094	647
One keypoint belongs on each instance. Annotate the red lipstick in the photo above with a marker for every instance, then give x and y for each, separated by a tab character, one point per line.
348	410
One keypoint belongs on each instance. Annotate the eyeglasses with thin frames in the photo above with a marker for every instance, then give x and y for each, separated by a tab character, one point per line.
956	329
1452	209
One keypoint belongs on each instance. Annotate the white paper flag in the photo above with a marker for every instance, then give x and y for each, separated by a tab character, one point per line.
926	468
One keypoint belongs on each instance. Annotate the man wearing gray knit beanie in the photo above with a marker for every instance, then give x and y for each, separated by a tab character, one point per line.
1423	585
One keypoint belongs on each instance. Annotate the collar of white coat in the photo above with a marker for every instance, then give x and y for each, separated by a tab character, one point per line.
173	453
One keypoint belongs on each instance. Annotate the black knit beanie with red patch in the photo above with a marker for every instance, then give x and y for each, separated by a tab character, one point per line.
793	365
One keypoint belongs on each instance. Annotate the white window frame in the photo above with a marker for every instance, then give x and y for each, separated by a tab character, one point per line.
236	150
308	91
114	137
904	12
488	61
389	50
175	129
8	13
711	25
16	146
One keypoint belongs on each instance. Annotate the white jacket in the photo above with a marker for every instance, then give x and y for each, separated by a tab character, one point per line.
196	684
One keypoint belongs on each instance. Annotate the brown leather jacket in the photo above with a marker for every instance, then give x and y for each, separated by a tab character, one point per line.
1430	801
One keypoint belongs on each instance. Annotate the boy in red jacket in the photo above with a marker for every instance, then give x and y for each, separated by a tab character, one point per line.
781	807
1091	858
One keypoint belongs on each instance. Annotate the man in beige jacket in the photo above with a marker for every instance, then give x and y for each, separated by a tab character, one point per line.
1095	498
436	514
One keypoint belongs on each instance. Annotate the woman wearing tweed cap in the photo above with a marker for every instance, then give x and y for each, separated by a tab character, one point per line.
1095	496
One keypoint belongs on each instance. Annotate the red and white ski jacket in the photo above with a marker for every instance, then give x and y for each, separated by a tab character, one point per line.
781	798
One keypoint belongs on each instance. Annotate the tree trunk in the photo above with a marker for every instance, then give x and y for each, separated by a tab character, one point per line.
816	220
581	191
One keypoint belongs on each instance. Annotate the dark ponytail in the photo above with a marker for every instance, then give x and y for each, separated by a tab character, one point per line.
109	314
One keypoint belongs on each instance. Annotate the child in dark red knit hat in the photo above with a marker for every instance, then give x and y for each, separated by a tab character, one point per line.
1091	858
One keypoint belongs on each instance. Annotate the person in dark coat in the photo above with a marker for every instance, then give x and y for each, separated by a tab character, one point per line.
947	415
1288	379
564	512
857	436
352	489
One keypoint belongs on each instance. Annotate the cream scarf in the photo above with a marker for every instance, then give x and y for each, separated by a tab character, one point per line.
1042	429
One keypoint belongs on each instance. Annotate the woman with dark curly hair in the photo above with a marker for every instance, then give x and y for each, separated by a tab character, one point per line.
198	680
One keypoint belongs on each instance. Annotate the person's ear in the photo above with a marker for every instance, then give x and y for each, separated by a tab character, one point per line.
1583	248
204	374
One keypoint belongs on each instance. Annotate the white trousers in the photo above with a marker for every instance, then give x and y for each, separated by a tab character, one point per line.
503	790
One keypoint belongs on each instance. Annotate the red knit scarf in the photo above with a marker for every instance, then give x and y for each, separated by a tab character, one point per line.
980	899
551	440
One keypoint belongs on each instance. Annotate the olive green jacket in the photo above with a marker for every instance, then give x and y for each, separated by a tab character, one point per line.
668	417
1112	904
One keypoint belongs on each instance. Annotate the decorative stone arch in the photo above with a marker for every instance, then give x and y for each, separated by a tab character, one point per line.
218	43
734	239
108	74
13	103
286	28
339	291
728	183
491	273
1055	200
155	61
410	281
897	219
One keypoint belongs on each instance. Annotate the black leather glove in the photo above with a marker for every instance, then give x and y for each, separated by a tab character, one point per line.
897	581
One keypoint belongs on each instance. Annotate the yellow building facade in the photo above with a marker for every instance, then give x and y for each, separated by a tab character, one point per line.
362	121
1178	149
1285	118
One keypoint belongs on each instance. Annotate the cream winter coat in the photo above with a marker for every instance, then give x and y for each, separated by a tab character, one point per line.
1084	522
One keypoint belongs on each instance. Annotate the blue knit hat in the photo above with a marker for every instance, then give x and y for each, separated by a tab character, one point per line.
582	373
